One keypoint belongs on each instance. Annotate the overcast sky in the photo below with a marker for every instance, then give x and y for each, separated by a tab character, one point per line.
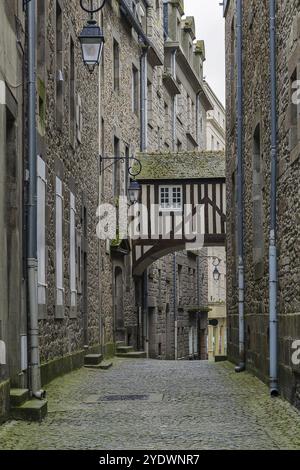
210	27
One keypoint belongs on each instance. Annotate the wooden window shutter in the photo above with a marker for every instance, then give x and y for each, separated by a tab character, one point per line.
78	119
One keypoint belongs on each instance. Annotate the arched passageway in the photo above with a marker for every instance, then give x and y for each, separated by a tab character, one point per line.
180	216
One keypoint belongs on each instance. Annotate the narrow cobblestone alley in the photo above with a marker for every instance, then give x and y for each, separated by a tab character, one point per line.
146	404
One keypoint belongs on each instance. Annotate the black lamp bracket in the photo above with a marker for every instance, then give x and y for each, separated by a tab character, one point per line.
134	169
92	6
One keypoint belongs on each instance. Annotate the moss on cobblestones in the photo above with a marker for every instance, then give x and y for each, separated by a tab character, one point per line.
204	406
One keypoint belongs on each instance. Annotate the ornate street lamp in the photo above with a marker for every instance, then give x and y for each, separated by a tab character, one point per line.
216	274
134	191
91	37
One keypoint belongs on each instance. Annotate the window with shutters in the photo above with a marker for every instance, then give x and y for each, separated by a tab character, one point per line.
167	127
116	66
72	97
127	165
135	90
293	121
59	66
150	103
79	119
233	73
73	286
257	195
179	283
41	230
59	243
116	168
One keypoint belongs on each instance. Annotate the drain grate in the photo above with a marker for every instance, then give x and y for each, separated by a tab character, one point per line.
124	397
149	397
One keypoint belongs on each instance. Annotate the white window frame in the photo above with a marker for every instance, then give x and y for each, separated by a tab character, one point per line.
172	205
59	265
73	249
41	231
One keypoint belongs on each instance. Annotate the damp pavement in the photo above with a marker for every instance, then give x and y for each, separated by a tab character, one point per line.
158	405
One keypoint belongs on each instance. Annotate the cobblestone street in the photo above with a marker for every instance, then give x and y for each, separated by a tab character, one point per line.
144	404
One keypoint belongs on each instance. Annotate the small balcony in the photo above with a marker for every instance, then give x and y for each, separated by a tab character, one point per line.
170	82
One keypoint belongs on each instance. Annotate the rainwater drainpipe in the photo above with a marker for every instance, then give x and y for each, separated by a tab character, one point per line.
175	307
240	188
144	101
273	315
174	102
143	148
33	327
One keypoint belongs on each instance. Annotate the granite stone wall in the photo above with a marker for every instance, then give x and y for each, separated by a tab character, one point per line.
257	150
120	310
68	144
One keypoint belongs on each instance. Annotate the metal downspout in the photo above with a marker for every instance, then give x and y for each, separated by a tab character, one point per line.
145	312
143	148
175	307
33	327
174	102
198	132
144	102
240	189
273	314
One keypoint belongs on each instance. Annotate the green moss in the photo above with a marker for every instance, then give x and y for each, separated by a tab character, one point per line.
183	165
117	241
63	365
201	308
109	350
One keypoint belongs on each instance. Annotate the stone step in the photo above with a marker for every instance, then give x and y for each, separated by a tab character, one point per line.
124	349
220	358
18	396
105	365
31	410
120	343
133	355
92	359
93	366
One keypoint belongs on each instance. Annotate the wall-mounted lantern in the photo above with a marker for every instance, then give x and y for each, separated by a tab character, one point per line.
91	37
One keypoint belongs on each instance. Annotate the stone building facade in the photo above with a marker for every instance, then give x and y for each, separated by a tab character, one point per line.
256	157
217	334
13	327
68	169
216	123
170	116
173	312
147	95
68	301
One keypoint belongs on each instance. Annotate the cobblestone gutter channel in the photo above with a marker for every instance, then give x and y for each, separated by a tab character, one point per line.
144	404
